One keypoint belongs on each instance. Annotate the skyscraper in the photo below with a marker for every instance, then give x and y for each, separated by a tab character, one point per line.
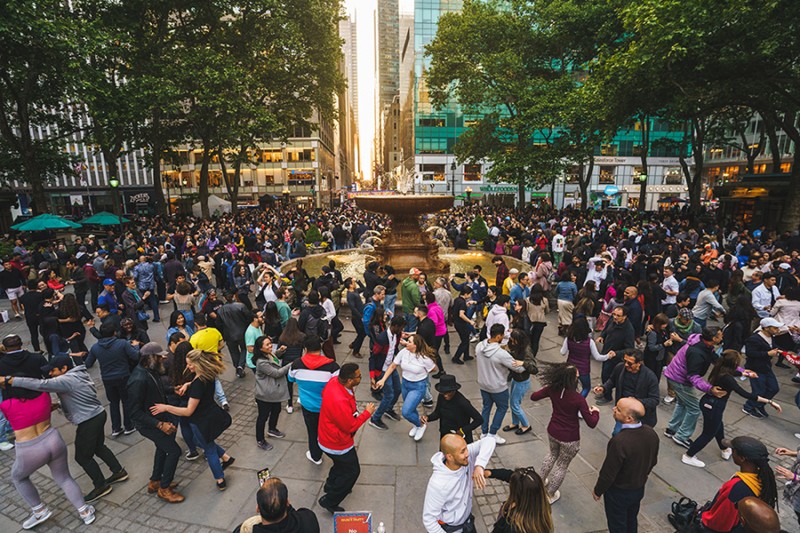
388	66
347	31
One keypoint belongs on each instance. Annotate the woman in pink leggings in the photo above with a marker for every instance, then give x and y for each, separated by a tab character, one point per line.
39	444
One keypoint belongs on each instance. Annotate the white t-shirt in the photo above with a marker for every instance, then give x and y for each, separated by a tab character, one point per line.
415	368
670	284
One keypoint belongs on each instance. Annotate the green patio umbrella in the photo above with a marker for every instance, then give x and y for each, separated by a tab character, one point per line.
104	218
44	222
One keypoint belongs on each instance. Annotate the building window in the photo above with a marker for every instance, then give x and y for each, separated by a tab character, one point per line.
608	149
672	176
786	168
607	175
432	122
472	173
433	172
760	169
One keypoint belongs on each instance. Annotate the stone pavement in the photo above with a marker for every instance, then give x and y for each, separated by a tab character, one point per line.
395	470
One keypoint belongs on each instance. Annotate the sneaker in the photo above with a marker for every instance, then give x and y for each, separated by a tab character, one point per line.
192	455
129	431
474	338
754	413
669	399
378	424
308	456
394	416
222	485
483	436
669	433
420	432
555	497
163	301
229	462
726	454
289	409
88	515
692	461
498	439
796	379
602	401
6	446
276	433
37	518
456	361
428	404
413	432
97	493
226	406
239	372
264	445
679	441
330	508
122	475
797	435
18	317
468	358
116	432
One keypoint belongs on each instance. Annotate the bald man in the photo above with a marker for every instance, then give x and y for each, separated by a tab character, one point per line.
456	468
757	517
630	457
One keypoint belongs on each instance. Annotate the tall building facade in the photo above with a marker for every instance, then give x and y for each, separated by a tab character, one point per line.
347	31
388	80
431	133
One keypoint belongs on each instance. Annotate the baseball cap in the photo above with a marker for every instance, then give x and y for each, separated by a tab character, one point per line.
414	271
770	322
102	252
57	362
152	348
108	281
686	313
514	271
785	266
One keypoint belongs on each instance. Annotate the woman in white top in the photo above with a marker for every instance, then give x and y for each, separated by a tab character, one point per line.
330	314
787	311
417	361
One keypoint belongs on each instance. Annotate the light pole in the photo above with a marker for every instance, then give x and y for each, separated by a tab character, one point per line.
114	183
642	194
563	191
286	193
468	191
453	177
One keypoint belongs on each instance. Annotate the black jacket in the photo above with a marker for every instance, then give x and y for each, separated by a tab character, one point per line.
296	521
618	337
456	414
646	390
758	360
22	364
144	390
427	329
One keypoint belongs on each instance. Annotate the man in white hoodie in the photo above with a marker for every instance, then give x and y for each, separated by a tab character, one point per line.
493	366
448	500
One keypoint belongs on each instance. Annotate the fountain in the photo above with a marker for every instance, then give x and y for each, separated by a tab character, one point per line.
404	244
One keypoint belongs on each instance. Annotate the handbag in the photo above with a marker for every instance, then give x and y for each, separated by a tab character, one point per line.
214	424
142	316
683	515
602	320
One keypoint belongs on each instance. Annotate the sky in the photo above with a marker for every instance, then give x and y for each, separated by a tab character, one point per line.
364	9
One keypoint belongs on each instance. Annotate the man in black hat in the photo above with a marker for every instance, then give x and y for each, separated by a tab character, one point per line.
453	410
144	391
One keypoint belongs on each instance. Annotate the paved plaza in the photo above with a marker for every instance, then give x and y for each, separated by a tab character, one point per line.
395	470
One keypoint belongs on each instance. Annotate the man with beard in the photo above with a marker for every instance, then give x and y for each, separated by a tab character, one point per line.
144	391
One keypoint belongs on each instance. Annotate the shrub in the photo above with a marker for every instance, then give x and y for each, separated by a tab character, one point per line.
313	235
478	229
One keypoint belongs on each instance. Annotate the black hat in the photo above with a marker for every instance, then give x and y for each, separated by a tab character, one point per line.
447	383
57	361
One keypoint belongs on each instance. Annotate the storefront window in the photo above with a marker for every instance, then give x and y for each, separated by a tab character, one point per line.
433	172
607	175
673	176
472	173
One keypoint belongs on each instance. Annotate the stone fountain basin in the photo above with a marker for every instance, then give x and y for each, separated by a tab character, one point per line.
404	205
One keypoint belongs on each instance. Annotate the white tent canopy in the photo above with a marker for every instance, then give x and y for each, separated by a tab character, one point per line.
215	204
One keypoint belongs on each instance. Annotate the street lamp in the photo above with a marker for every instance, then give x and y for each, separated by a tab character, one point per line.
114	183
453	177
468	190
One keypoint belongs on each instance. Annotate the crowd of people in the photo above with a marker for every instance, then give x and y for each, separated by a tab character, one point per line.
677	309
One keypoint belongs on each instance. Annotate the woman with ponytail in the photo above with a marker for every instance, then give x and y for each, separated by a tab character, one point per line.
755	478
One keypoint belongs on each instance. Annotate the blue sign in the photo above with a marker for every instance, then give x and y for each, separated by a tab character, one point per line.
611	190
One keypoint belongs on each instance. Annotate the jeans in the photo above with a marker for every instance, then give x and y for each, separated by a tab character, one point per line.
712	408
238	351
463	342
342	477
117	393
90	442
267	412
687	410
413	392
389	303
622	509
500	399
219	393
586	384
166	457
152	302
311	420
5	426
764	385
391	393
518	391
361	334
411	322
212	451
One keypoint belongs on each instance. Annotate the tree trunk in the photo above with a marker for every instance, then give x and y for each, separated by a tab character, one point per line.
204	180
38	197
583	182
521	190
553	192
645	123
770	127
790	219
161	207
237	172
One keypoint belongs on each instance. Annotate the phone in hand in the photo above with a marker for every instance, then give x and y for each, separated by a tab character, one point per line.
263	475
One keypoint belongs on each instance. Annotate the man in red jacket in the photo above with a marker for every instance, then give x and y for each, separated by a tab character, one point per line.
339	420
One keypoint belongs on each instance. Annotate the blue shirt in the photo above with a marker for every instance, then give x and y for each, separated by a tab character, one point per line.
109	298
144	274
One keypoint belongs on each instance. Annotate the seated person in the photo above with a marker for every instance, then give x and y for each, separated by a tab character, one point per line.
755	478
276	514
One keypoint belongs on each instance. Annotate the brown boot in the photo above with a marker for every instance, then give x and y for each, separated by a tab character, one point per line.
155	486
170	496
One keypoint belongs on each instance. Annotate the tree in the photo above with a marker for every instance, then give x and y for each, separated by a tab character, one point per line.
313	235
41	61
478	230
